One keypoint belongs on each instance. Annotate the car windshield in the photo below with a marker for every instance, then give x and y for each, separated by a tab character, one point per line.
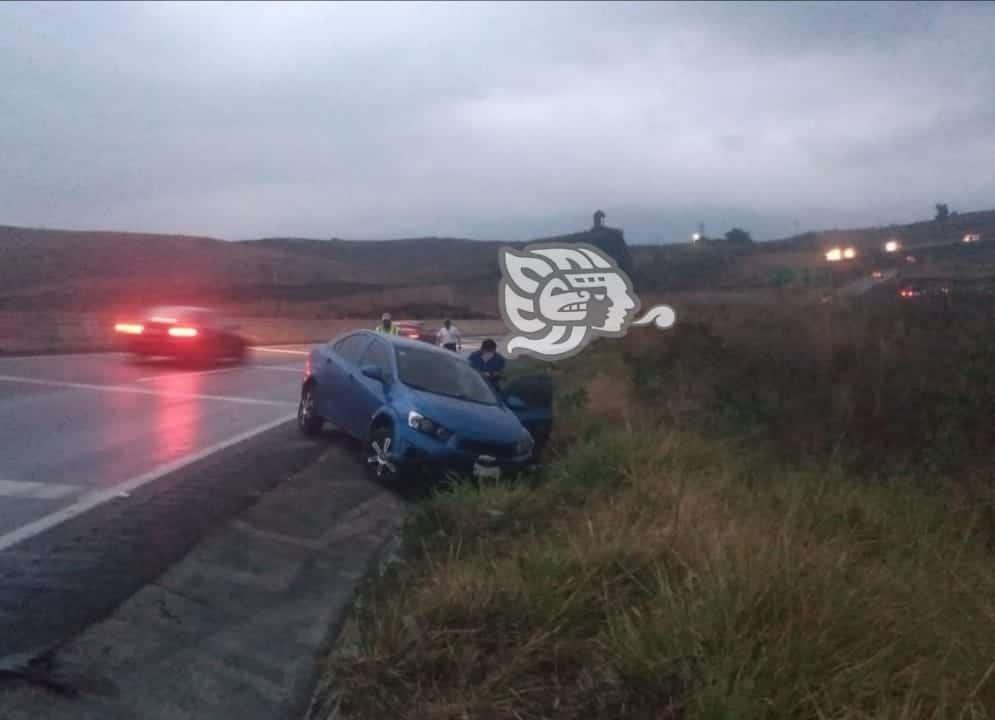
442	374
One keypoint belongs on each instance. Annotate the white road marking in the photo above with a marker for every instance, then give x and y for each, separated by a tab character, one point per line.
281	350
150	378
99	497
36	490
141	391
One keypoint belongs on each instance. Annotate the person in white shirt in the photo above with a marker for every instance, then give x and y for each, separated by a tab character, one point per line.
448	336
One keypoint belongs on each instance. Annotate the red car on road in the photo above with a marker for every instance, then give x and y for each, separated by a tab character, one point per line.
189	333
415	330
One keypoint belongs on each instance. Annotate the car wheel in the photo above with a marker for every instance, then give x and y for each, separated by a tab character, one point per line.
308	420
377	456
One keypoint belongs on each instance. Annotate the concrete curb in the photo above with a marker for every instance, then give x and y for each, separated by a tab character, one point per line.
235	628
324	703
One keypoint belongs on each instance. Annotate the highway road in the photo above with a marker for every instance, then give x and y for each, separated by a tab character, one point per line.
864	284
79	430
111	470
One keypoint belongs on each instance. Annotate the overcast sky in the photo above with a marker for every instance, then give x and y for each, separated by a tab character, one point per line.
498	121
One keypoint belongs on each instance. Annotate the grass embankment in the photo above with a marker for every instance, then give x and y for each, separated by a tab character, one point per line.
685	556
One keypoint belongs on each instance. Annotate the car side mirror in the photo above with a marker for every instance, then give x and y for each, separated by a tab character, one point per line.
515	403
372	371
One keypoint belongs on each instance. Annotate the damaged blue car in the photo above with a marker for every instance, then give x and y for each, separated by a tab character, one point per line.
414	406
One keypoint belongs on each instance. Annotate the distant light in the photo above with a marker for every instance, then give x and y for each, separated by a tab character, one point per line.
696	237
129	328
972	237
183	332
891	246
834	255
850	253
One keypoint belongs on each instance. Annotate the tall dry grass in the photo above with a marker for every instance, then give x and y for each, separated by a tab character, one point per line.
690	554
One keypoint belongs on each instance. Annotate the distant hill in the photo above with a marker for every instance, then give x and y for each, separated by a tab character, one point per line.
917	233
936	246
91	270
609	240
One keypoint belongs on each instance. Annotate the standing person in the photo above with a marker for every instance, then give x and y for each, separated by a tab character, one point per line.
488	362
386	326
448	336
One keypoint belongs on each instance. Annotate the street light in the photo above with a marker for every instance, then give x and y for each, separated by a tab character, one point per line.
834	255
891	246
696	237
850	253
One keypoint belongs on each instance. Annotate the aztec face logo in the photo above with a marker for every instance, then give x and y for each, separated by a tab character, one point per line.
559	298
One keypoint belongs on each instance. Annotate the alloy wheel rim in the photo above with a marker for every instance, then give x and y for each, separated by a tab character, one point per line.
380	458
306	408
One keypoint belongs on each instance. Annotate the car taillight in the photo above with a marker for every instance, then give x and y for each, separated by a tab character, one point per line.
129	328
183	332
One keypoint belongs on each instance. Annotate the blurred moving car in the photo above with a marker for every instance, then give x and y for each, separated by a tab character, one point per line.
412	406
188	333
877	275
415	330
910	291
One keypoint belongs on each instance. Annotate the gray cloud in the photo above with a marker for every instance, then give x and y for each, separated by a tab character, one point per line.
501	120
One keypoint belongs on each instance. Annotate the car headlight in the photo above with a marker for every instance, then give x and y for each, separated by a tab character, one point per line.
525	444
422	424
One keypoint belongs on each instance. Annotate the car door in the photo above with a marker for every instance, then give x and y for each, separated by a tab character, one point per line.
535	393
370	394
336	389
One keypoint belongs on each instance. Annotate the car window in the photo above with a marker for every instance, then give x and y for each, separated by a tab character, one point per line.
378	354
351	348
442	374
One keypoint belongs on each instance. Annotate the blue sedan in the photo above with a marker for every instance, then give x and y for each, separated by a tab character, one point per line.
412	405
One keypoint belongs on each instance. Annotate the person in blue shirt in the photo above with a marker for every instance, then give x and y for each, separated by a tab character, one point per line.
488	362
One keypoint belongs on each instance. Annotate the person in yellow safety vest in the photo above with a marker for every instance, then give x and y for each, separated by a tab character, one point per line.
386	326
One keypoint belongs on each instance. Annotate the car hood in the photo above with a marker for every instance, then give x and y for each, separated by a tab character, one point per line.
495	423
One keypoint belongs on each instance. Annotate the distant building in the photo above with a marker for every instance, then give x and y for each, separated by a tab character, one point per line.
610	241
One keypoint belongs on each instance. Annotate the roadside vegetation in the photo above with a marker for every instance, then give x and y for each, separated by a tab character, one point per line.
750	516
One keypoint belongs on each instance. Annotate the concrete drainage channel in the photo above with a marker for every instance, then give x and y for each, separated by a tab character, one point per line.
233	629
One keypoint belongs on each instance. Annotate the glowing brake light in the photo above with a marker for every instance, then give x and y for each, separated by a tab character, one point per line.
183	332
129	328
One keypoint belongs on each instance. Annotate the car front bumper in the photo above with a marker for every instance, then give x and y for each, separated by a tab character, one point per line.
415	449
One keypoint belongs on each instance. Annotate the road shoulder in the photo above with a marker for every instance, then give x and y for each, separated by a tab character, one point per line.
233	630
